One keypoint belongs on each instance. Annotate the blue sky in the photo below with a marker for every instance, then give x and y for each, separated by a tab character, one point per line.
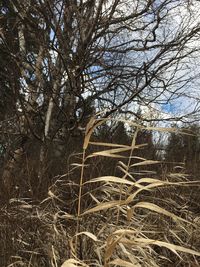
169	108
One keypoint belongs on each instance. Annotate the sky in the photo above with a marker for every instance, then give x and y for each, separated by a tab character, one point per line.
189	70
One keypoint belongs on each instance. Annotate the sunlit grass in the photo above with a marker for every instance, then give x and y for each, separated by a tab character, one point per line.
119	219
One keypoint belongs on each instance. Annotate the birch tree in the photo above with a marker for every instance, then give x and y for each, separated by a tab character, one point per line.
70	59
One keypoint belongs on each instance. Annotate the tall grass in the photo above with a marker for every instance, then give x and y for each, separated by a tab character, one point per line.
118	219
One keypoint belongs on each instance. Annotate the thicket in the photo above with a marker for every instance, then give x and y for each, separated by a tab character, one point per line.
118	203
107	193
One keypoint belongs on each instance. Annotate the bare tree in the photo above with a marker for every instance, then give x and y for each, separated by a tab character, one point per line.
68	59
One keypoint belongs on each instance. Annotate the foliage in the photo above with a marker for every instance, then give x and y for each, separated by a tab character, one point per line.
109	220
185	149
79	190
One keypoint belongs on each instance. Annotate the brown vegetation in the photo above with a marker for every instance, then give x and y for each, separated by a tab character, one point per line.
79	189
127	217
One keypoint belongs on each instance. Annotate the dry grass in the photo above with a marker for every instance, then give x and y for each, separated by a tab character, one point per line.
119	219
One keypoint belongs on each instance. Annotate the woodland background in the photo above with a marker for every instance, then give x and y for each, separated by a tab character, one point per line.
118	61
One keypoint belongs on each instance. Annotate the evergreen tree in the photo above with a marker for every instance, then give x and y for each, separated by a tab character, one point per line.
185	148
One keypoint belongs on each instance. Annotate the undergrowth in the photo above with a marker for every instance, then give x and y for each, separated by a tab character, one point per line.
129	217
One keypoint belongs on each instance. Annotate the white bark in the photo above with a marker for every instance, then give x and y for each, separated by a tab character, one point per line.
22	14
48	117
22	44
